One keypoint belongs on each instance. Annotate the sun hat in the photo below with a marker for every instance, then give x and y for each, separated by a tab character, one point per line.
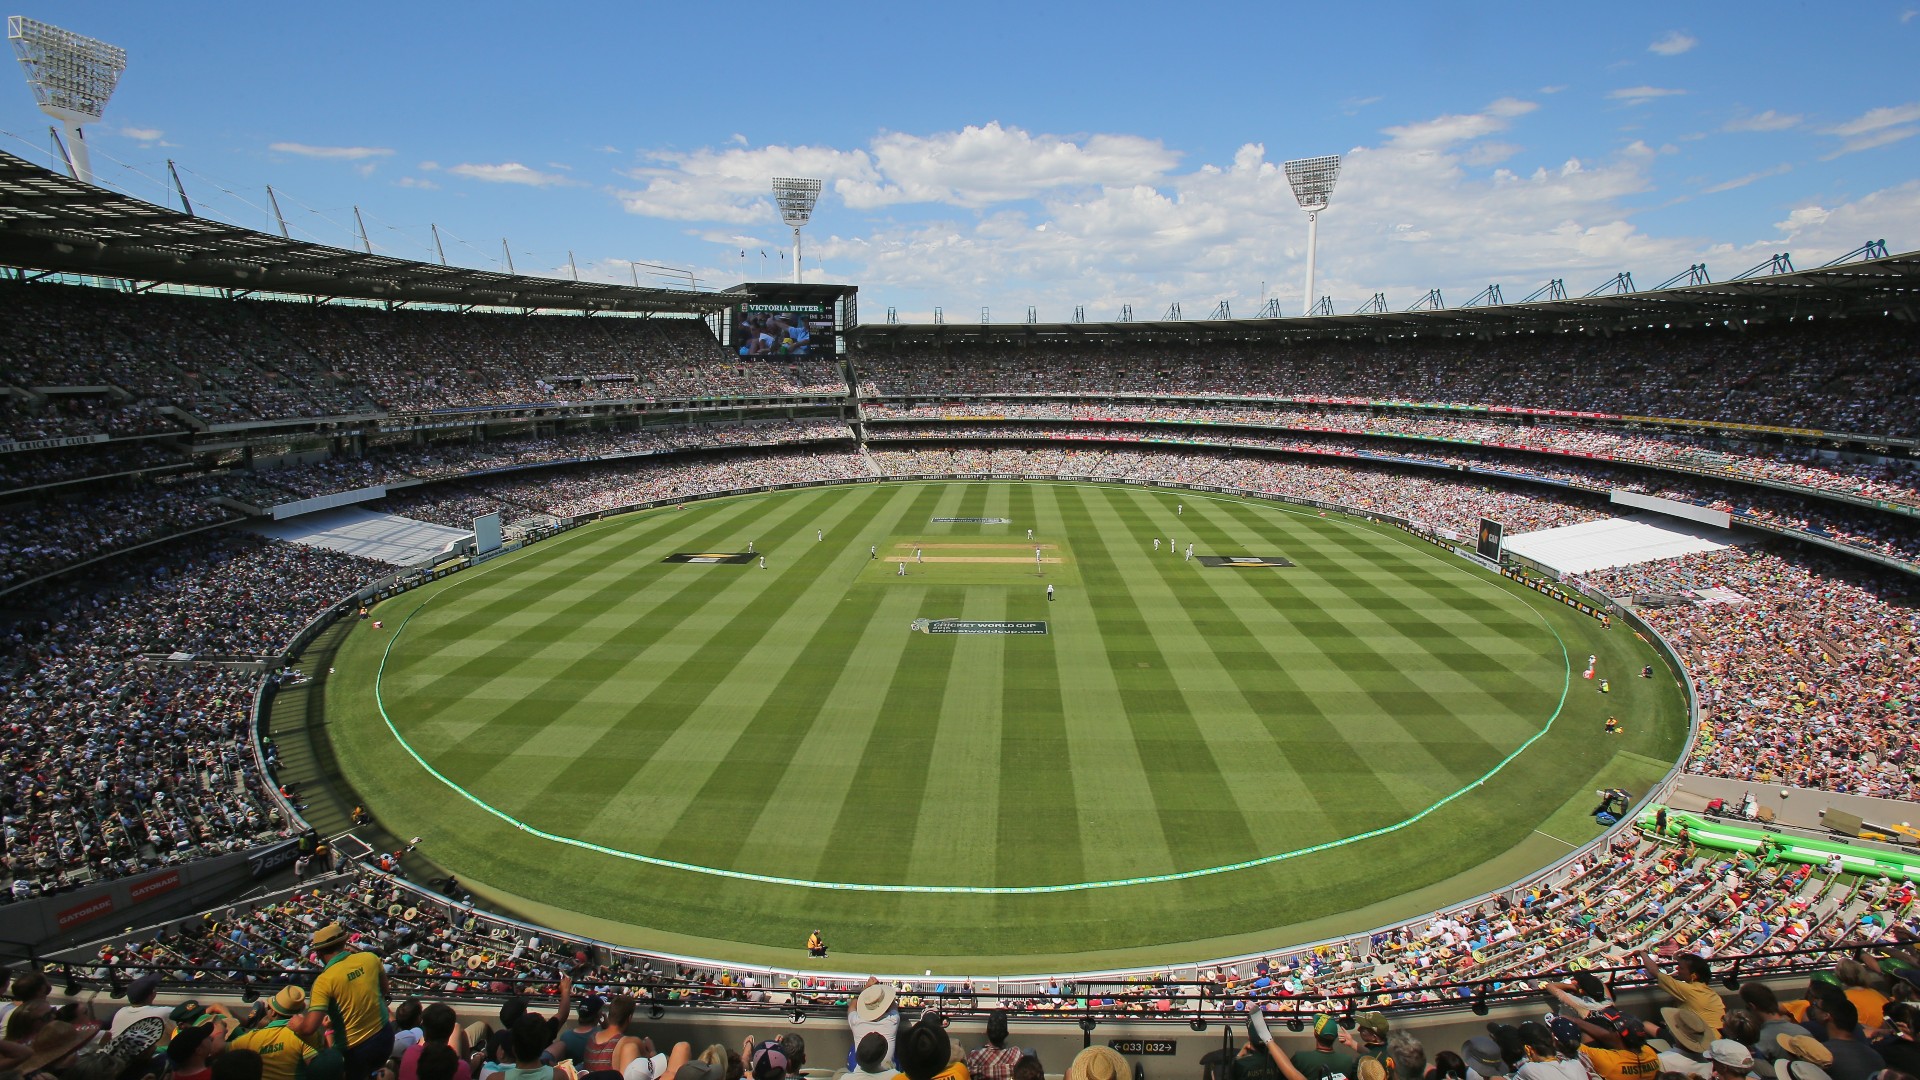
1806	1048
874	1002
290	1001
1795	1069
53	1042
1099	1063
331	934
1482	1054
1689	1030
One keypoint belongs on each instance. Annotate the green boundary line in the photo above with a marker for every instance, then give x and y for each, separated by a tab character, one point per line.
1000	890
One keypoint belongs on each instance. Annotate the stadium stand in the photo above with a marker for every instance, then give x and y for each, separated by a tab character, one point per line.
122	757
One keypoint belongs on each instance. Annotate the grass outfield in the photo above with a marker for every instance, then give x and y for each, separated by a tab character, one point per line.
1176	718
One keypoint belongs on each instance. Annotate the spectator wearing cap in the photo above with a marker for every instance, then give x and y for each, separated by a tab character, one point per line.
283	1054
873	1012
1325	1059
140	1005
192	1047
1692	989
869	1059
1729	1060
353	986
995	1060
1852	1057
437	1023
1546	1058
1616	1047
700	1069
1368	1039
571	1045
764	1060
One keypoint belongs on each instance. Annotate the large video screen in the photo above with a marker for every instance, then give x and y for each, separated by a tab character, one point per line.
1492	534
783	330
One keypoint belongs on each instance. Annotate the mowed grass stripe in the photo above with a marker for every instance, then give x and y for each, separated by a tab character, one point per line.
1220	686
483	617
1256	646
1390	721
1103	768
598	692
738	649
1184	773
1491	669
793	827
954	820
820	633
592	690
871	839
784	713
1035	838
505	706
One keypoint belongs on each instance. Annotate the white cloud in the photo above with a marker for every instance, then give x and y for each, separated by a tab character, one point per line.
145	135
1743	181
978	166
510	172
418	182
331	153
1876	127
1876	119
1640	95
1674	43
1766	121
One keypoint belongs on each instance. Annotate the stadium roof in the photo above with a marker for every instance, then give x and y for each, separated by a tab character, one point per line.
52	223
1872	285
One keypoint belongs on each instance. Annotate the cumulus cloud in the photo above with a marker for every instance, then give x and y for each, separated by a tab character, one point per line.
510	172
1641	95
145	135
331	153
1877	127
1766	121
979	166
1673	43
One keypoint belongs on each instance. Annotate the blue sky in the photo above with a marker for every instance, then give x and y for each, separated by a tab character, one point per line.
1007	155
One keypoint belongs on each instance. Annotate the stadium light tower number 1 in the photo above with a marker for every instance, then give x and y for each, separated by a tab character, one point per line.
71	76
1312	179
796	197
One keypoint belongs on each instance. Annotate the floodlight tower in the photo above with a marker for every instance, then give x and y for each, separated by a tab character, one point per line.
796	197
72	77
1312	179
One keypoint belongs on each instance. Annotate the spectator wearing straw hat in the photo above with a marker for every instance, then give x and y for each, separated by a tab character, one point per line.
1099	1063
352	986
873	1012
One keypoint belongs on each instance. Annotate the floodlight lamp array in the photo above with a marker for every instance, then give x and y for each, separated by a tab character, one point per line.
1312	180
796	196
72	76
